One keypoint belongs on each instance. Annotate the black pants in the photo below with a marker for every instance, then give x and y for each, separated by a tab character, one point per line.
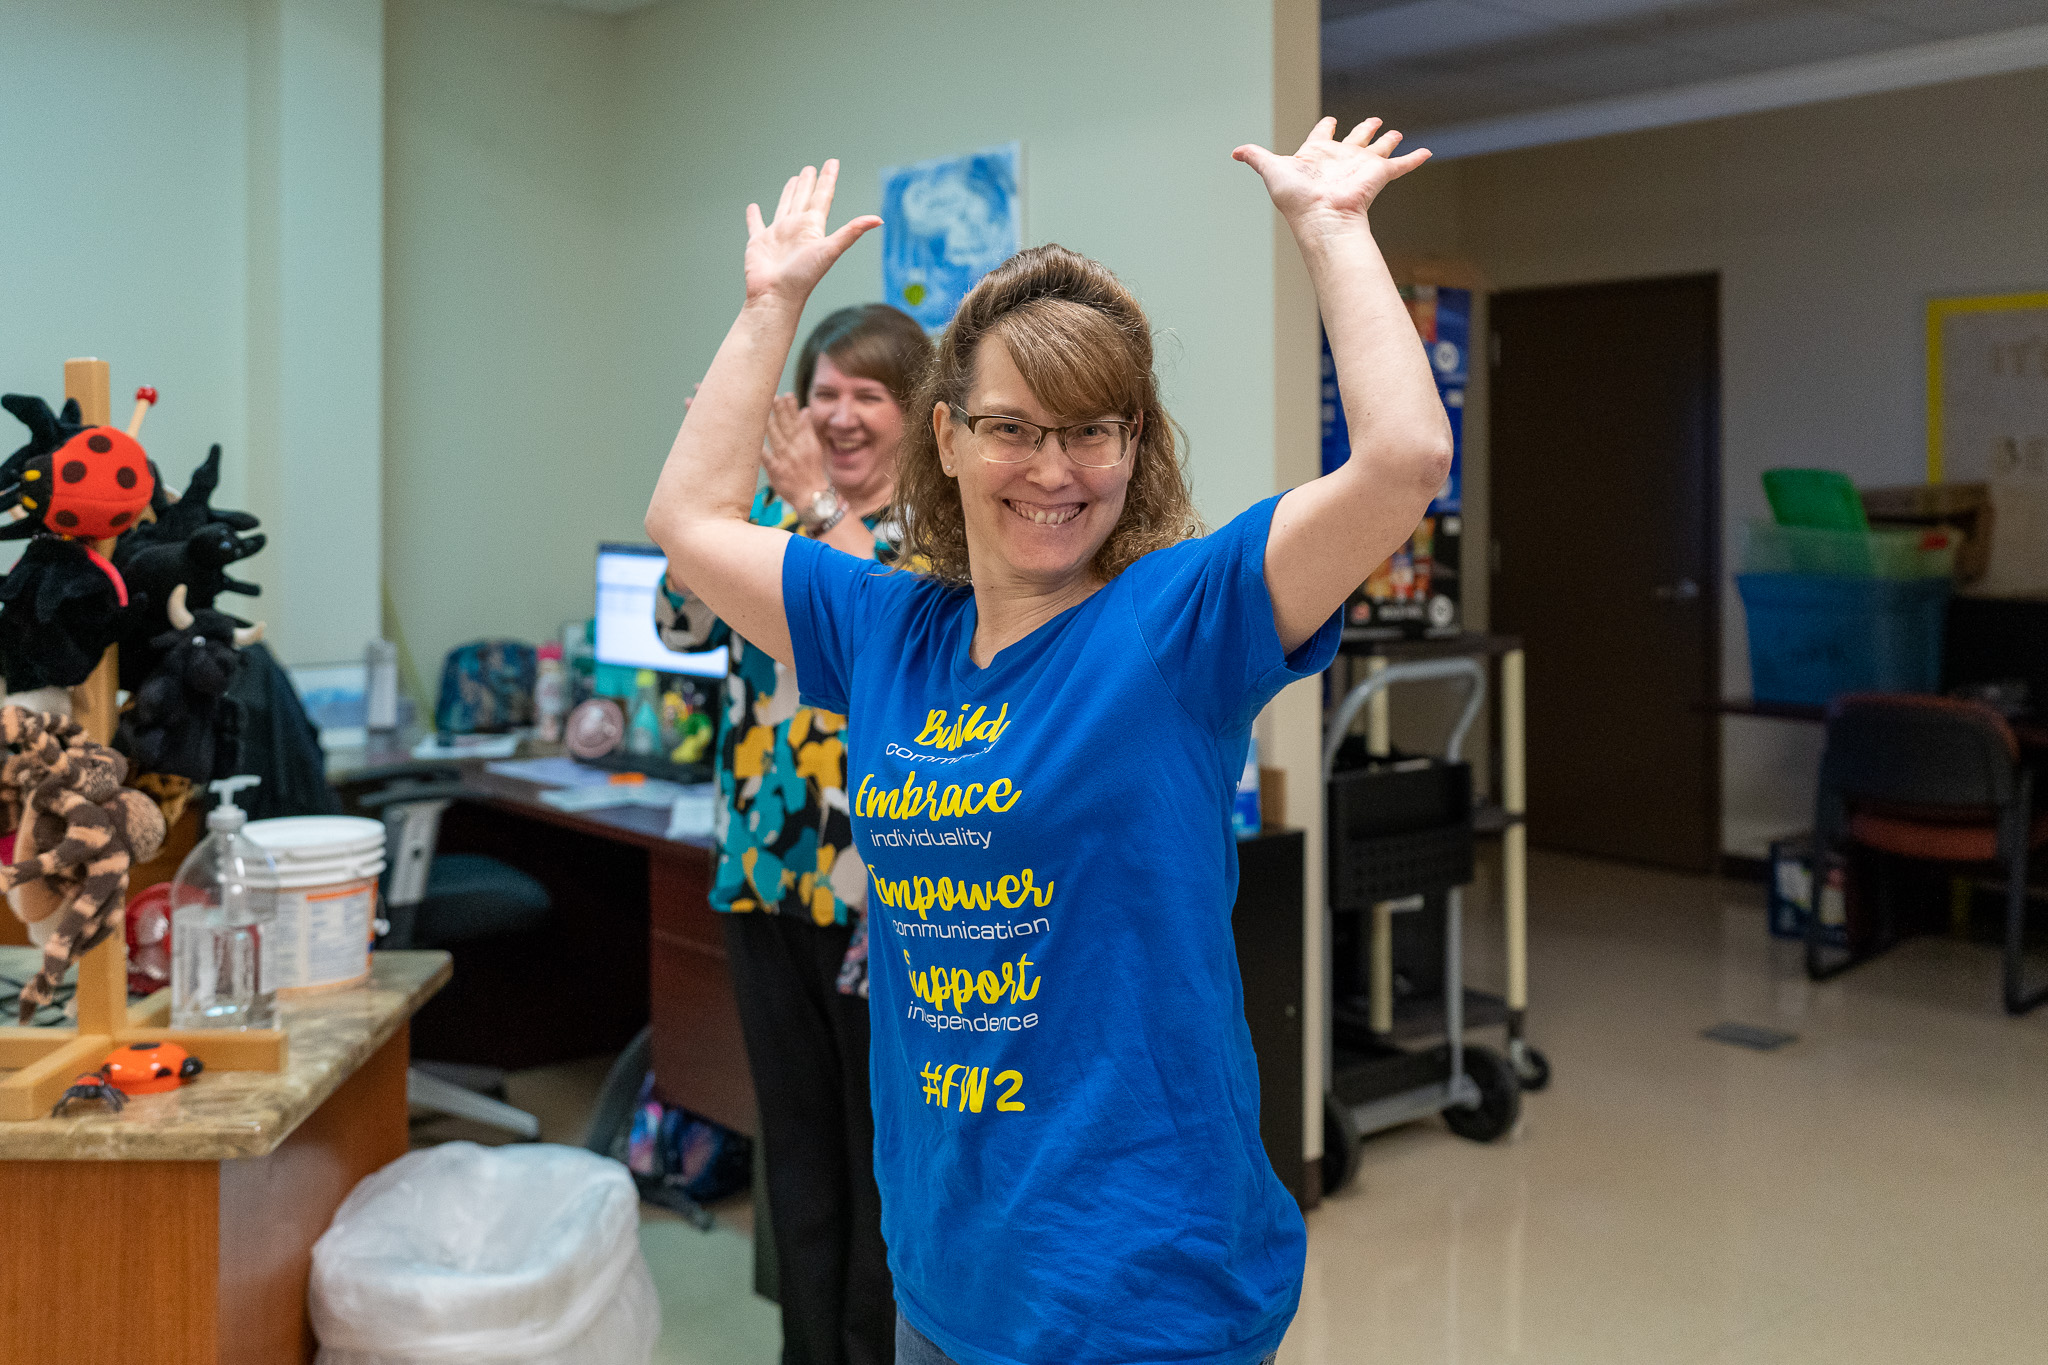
807	1047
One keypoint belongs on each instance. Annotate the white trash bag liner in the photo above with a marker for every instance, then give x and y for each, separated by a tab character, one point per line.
462	1253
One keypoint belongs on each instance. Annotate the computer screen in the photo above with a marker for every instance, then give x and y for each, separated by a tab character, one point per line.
628	576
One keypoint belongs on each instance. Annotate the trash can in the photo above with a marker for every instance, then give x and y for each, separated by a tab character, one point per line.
462	1253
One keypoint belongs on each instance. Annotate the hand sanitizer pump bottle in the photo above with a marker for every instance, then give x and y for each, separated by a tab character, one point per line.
222	902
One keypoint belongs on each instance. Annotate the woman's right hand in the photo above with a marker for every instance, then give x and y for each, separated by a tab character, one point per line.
787	257
793	458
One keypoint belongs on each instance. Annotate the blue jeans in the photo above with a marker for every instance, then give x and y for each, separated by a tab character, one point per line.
914	1348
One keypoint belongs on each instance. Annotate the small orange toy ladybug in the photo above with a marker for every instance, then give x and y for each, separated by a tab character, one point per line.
150	1068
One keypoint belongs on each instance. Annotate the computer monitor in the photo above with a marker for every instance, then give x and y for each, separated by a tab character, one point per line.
628	576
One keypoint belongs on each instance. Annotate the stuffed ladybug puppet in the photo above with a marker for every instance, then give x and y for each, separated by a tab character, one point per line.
91	485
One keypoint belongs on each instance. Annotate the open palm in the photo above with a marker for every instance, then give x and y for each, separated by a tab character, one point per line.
1326	177
788	256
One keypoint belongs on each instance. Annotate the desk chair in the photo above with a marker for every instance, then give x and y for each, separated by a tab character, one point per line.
1927	778
445	901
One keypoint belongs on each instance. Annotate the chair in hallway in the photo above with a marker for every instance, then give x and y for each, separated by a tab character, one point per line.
1928	778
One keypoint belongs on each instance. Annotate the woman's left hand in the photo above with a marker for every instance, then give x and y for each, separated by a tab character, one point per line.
793	457
1327	180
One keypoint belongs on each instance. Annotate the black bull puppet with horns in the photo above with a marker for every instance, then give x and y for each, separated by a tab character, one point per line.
184	722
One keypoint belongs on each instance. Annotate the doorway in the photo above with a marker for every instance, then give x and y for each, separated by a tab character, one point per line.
1605	496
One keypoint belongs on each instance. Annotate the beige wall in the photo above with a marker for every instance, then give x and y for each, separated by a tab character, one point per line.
510	444
1830	227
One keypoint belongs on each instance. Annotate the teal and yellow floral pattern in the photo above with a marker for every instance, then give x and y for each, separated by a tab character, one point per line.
784	827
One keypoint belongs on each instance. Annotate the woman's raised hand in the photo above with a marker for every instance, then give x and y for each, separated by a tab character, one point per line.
787	257
1331	180
792	457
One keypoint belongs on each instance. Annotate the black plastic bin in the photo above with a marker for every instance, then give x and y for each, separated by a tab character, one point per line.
1398	827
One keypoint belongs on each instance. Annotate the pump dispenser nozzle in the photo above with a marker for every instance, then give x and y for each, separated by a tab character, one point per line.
228	815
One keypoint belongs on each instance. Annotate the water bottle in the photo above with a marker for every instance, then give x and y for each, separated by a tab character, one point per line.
222	901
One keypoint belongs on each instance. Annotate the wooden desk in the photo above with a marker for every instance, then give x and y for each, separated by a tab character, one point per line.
700	1059
180	1231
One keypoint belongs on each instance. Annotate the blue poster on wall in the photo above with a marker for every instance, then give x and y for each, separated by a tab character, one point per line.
1443	321
946	223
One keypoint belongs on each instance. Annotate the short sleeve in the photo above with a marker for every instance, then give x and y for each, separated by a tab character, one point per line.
826	596
1205	614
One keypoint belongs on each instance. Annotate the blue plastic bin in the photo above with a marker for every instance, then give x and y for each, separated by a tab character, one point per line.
1813	637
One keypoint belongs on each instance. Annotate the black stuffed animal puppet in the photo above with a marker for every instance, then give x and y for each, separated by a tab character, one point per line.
190	545
183	722
59	610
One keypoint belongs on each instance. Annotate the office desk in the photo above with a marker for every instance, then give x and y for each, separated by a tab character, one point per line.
632	941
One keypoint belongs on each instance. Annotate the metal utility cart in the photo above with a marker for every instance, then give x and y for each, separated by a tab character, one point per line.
1400	832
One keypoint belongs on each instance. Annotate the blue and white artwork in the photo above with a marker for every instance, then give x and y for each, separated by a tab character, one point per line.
946	223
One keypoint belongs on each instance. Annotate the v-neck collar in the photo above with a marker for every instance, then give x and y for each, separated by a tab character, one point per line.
1016	658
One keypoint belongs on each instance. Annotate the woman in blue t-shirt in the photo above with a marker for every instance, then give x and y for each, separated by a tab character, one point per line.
1046	727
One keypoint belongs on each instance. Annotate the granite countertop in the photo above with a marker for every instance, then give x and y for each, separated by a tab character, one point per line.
221	1115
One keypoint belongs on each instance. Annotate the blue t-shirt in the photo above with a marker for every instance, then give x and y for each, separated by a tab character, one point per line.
1066	1100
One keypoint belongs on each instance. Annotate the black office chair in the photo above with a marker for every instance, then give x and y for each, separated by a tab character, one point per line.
1927	778
445	901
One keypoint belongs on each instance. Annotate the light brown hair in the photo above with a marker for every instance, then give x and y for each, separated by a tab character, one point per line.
868	341
1082	343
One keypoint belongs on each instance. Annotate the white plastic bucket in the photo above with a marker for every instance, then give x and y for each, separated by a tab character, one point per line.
327	870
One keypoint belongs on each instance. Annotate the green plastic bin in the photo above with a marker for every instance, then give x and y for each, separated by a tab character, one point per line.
1903	553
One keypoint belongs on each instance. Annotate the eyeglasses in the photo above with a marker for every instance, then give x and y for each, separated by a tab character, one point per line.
1098	444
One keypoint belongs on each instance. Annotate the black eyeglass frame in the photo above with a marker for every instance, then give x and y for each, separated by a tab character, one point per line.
1130	429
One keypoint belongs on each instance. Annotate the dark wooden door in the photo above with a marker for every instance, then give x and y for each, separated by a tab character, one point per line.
1604	490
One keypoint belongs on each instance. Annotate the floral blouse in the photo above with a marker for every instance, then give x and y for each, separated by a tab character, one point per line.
784	828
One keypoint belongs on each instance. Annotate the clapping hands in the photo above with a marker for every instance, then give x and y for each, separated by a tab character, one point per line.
793	457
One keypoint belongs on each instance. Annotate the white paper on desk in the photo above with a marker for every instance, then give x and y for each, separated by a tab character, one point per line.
652	792
551	772
695	812
468	746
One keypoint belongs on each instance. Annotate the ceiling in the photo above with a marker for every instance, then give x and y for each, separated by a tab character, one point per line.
1449	64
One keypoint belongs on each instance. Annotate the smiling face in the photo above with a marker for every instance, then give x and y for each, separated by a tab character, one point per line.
860	425
1037	523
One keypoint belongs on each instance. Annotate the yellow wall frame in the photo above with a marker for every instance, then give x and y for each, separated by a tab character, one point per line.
1938	312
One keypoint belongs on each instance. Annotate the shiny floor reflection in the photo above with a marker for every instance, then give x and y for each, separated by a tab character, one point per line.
1872	1193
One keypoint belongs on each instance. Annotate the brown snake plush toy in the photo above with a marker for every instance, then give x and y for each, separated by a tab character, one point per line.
62	791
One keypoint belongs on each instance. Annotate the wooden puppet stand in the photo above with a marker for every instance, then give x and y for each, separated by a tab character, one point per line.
45	1061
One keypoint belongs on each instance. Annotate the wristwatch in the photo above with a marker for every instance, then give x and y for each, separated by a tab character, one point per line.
824	512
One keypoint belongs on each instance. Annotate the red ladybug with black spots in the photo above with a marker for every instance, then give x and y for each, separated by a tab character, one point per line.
90	488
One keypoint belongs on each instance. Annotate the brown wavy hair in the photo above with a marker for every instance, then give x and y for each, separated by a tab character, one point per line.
1082	343
868	341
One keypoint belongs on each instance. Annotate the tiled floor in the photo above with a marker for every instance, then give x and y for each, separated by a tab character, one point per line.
1876	1192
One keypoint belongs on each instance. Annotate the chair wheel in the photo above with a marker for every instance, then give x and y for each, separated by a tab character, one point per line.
1500	1097
1534	1071
1340	1145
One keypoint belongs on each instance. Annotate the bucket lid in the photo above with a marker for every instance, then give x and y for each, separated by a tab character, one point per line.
311	838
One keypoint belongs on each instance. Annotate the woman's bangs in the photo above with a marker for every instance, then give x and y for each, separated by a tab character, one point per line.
1077	361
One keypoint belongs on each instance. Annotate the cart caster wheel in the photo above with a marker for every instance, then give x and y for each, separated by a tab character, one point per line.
1340	1146
1500	1097
1534	1071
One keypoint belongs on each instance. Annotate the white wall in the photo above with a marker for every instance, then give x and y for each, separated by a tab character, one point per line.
1830	226
194	196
